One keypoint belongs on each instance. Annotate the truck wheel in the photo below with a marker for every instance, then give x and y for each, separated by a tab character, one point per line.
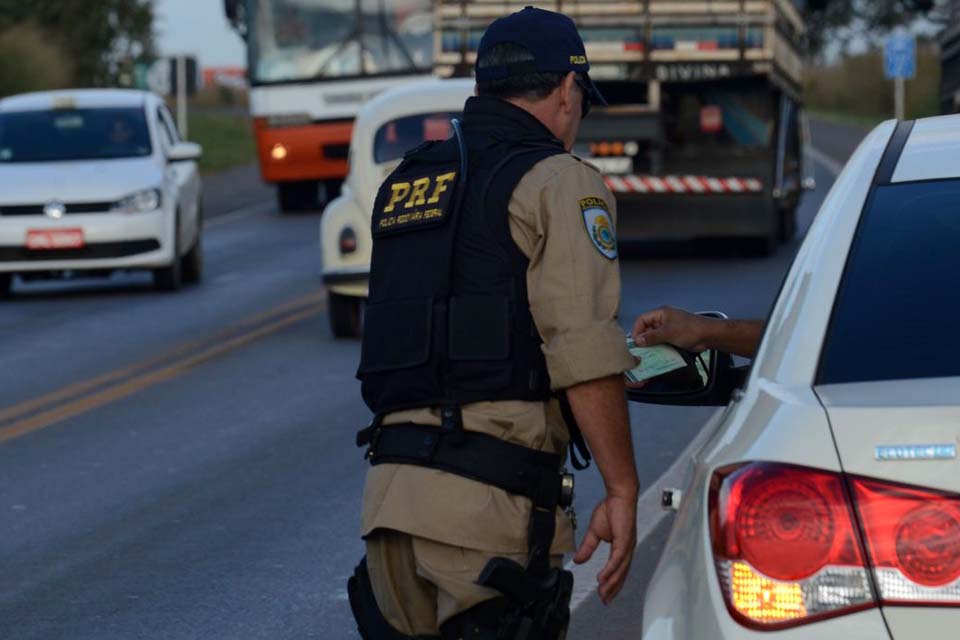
345	315
298	196
788	224
191	265
6	282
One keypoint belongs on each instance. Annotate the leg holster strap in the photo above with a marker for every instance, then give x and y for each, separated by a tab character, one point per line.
370	621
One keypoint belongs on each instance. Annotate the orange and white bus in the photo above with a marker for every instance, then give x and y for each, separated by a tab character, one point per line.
312	64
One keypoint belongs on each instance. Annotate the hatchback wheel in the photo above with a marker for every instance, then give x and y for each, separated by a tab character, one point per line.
170	278
346	315
191	265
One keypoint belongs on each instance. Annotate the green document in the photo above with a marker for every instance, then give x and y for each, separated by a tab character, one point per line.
654	361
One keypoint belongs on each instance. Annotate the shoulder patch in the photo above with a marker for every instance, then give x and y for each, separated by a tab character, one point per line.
596	217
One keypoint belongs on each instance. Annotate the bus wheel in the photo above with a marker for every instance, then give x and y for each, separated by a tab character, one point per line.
298	196
331	190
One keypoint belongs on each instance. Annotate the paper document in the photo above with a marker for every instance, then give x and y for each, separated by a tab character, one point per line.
654	361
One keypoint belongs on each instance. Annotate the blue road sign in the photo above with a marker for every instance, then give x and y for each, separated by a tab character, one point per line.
900	56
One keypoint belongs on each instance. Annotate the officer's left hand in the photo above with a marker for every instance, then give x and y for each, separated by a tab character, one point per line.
615	521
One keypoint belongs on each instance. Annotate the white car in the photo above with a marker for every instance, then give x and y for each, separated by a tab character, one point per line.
387	127
826	501
95	181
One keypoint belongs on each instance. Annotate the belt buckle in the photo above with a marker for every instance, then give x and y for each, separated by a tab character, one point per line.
567	484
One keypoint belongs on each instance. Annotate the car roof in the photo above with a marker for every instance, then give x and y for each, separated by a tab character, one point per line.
932	151
75	98
415	97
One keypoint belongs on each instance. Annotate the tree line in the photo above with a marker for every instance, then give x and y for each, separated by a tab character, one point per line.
59	43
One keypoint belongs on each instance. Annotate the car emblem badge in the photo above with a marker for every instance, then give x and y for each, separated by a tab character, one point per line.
908	452
54	210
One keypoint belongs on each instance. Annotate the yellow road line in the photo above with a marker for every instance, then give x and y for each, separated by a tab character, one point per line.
73	390
141	382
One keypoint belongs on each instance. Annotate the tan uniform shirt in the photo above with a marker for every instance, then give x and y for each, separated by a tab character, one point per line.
561	217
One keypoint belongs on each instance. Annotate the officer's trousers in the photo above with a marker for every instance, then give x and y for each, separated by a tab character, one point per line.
419	584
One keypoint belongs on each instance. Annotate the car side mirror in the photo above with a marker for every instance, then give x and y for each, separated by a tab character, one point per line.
184	151
707	379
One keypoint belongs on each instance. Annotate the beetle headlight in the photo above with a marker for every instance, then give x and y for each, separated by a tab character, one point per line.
146	200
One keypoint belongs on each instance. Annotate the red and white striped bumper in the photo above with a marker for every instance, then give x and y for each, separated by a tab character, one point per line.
682	184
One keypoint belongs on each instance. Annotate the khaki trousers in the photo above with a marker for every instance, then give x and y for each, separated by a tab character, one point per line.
419	584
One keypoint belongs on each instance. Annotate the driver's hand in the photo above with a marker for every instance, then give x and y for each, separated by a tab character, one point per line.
615	521
668	325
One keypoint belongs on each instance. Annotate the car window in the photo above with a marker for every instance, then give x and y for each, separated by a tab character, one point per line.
73	134
398	136
897	310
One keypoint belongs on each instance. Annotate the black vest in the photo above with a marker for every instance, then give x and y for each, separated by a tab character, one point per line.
448	320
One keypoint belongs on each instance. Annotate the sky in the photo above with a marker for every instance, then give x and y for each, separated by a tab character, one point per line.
197	27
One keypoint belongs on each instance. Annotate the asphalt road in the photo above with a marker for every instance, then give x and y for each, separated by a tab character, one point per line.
182	466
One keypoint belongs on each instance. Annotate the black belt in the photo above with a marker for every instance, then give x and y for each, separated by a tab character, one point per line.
516	469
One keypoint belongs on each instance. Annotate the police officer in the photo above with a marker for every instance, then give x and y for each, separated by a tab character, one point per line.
490	334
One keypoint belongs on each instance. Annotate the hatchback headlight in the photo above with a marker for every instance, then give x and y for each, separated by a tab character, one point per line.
146	200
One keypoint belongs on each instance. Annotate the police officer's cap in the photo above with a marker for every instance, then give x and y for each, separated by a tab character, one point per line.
551	38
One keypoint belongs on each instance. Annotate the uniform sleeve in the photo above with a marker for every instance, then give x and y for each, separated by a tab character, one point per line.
566	225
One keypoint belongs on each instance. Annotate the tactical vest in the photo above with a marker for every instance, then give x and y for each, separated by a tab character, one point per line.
448	321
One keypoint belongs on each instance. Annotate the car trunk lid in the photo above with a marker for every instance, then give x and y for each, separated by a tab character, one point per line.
903	437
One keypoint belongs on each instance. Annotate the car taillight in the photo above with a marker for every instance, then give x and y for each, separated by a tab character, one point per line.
913	538
786	547
347	241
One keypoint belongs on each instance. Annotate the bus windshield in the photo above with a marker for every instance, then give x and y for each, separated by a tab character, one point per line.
297	40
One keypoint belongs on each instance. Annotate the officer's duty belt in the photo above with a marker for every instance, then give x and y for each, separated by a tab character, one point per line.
514	468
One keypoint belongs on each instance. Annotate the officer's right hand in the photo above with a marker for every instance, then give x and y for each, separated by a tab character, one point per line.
615	521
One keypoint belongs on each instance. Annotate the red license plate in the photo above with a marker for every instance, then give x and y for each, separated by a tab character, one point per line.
41	239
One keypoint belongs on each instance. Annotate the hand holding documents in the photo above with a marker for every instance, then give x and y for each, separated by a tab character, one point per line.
654	361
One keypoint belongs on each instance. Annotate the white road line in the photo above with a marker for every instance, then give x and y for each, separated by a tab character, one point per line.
831	165
239	214
649	516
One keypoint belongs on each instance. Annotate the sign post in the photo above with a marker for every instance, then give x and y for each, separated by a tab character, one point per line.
900	65
182	95
175	77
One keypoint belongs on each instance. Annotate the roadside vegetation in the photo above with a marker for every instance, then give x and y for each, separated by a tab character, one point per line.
854	89
227	139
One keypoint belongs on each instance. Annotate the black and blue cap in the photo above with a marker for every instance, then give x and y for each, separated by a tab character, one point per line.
551	38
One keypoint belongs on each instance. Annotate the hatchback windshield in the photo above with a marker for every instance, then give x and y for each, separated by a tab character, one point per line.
897	310
73	134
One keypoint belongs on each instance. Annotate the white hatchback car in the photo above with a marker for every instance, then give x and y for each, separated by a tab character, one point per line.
826	500
95	181
386	128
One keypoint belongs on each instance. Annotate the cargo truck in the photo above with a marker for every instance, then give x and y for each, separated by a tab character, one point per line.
705	134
